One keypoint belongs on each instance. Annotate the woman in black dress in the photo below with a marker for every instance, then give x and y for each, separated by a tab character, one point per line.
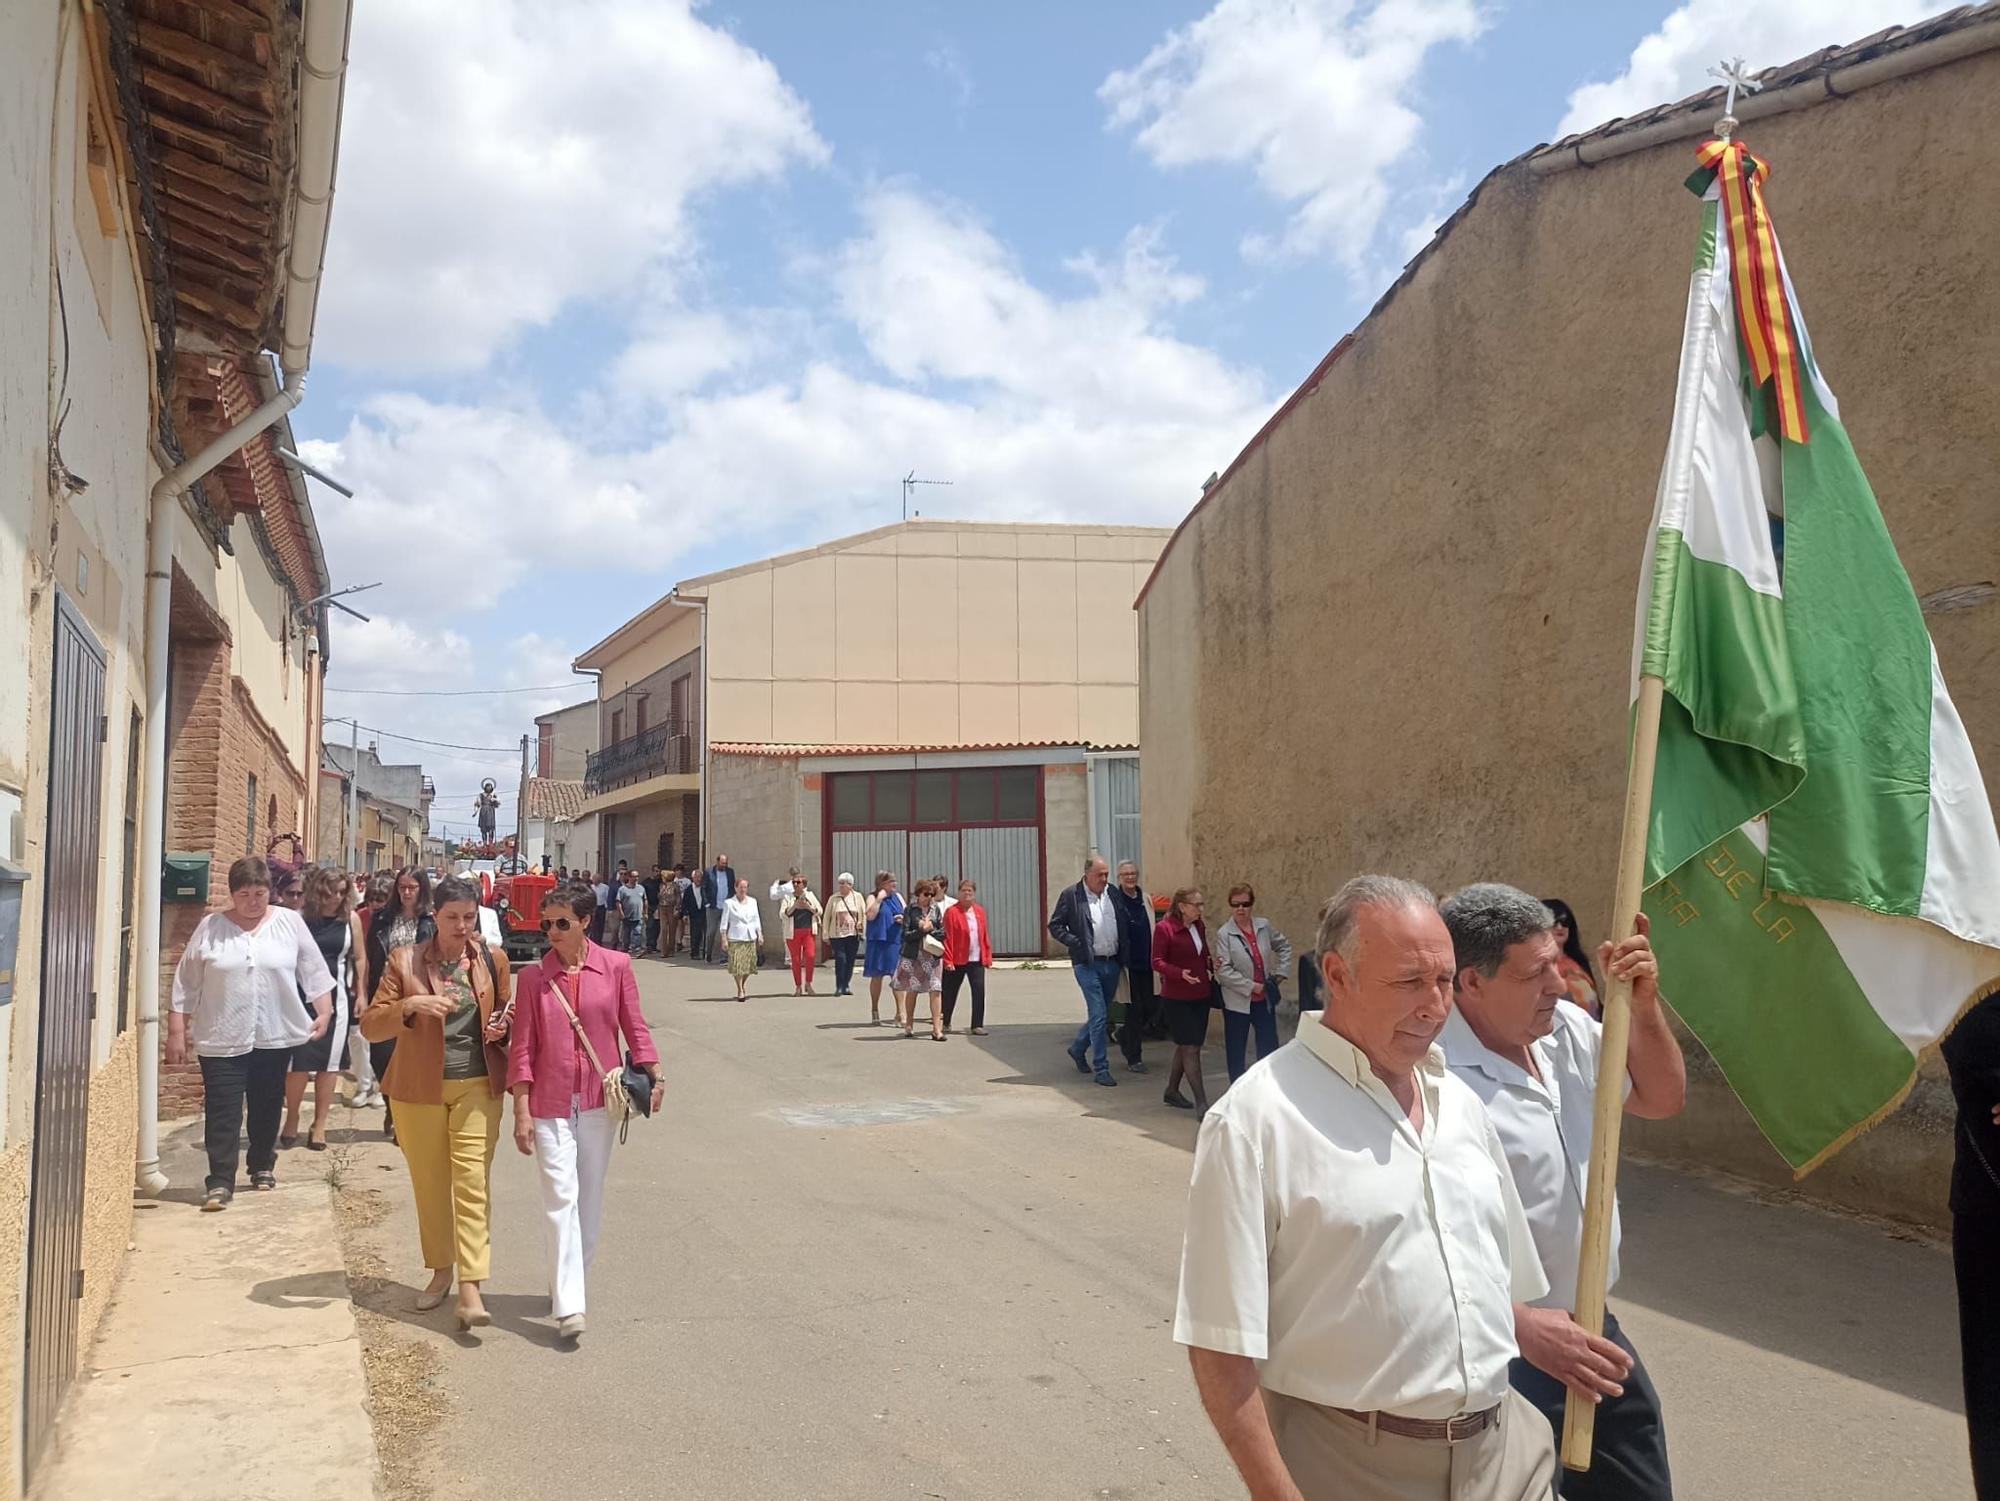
324	898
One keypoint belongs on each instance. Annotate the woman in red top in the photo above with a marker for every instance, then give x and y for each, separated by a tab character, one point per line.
968	950
1183	961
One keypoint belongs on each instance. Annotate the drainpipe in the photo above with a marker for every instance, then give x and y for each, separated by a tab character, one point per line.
322	78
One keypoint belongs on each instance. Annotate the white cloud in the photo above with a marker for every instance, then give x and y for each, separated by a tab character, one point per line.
1315	94
1034	404
948	63
1672	62
395	654
502	160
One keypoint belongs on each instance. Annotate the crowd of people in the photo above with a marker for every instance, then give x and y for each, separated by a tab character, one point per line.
284	986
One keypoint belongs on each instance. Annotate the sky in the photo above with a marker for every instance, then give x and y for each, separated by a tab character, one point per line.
624	291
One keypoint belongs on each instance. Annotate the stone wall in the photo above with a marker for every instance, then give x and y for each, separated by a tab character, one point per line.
1428	565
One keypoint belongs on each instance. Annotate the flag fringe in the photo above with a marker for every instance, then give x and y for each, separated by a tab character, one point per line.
1895	1102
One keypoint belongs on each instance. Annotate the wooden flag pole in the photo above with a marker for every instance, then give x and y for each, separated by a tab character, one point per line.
1594	1265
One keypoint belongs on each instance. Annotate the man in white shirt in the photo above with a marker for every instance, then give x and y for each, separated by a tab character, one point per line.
1355	1246
1531	1055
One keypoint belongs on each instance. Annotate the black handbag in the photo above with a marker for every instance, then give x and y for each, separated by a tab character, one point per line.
638	1087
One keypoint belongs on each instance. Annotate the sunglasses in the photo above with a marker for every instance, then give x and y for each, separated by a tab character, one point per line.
560	924
1239	904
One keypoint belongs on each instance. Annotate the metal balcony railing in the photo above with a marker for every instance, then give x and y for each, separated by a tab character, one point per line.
655	751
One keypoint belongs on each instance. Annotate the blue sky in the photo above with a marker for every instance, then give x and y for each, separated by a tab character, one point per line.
622	291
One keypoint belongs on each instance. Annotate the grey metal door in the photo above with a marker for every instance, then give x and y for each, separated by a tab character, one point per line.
863	852
1007	864
935	852
62	1093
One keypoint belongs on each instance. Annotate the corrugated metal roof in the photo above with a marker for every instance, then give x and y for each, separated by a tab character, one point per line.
779	748
547	797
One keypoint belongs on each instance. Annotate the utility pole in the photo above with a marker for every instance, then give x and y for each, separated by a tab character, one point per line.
520	807
910	482
353	782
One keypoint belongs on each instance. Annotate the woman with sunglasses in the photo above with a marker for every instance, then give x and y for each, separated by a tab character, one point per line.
1573	962
1251	957
559	1114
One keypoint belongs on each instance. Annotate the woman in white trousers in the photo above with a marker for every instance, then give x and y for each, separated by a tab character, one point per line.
559	1115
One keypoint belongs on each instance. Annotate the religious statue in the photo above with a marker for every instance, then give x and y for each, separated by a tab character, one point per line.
487	804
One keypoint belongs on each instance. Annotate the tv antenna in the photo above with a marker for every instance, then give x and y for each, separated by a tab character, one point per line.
910	482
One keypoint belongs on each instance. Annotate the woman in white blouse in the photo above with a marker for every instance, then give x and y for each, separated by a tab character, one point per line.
743	930
236	1009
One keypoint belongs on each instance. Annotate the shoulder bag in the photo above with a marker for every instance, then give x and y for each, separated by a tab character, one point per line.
628	1090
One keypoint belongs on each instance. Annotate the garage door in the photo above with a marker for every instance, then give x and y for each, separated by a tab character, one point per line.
982	823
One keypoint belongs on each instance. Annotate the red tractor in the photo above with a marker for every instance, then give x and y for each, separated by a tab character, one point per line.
518	899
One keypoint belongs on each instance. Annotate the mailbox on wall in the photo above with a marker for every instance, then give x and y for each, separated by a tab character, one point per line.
185	878
13	882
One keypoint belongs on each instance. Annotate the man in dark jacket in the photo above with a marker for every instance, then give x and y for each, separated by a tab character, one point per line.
1135	922
1085	923
718	885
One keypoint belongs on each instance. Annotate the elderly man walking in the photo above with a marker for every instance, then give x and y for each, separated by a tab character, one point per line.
1355	1247
1531	1055
1085	923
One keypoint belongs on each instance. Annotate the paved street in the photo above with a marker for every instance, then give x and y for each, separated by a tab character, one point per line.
846	1265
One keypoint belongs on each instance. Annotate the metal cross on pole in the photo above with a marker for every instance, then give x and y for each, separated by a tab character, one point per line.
1734	76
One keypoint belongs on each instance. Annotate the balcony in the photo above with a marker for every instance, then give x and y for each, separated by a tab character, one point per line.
664	749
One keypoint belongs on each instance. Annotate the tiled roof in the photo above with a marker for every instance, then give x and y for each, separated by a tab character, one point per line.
549	798
778	748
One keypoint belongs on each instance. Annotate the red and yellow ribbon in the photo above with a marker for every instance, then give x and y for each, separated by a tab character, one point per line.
1759	285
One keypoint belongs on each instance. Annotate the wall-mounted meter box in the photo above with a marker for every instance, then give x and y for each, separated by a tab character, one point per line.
185	878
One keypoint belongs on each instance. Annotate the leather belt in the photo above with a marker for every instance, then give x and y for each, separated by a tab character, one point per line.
1450	1430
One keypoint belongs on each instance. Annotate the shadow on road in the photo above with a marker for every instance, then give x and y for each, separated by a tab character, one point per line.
1834	1292
1036	1052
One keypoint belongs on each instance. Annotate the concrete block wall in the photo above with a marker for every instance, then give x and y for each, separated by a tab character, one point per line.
757	818
1065	830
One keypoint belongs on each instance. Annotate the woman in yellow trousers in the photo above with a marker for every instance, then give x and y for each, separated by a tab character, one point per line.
448	1004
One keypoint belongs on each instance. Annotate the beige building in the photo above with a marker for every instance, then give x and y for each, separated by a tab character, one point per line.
931	696
1427	561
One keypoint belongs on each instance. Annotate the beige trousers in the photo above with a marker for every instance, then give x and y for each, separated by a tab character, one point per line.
1331	1458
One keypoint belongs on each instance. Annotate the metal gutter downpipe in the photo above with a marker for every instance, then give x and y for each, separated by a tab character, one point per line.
322	80
1979	37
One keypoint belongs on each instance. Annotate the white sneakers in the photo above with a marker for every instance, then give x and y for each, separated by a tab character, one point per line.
570	1327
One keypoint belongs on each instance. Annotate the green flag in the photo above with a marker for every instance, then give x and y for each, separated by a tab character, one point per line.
1823	875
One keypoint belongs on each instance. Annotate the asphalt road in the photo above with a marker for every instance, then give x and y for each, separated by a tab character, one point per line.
848	1265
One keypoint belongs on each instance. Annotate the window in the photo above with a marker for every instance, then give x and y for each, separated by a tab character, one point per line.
617	726
250	839
933	797
850	801
975	797
1020	794
892	797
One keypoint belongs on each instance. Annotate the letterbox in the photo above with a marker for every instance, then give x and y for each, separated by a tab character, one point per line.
185	878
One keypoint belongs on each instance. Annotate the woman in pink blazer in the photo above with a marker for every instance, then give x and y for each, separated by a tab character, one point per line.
559	1114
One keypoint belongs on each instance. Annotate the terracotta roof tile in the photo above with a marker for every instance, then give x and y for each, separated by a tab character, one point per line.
549	798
